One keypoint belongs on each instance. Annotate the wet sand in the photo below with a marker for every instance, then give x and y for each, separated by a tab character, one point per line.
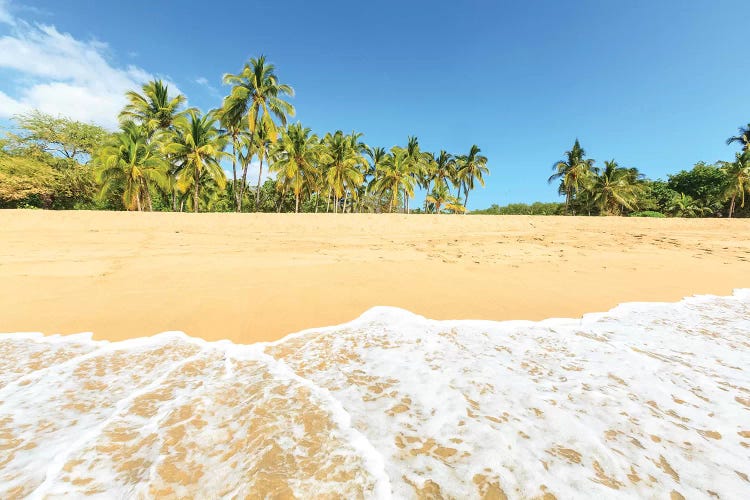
254	277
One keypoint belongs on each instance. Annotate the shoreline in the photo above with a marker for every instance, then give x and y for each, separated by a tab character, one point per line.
375	312
257	277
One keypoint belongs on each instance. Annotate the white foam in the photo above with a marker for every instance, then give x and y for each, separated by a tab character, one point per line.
644	400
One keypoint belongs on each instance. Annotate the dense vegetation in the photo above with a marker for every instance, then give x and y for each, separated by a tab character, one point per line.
716	190
165	157
171	158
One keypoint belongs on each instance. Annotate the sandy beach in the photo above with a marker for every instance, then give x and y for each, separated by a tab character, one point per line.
257	277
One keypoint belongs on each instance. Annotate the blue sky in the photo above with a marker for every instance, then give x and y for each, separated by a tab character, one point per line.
658	85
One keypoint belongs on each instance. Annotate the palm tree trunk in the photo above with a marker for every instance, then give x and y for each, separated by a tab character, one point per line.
296	203
195	193
466	199
731	206
257	187
234	174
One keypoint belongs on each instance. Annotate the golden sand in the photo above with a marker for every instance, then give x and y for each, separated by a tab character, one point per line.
252	277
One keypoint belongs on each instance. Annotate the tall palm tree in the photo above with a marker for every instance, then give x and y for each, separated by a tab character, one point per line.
261	144
573	172
377	155
154	109
418	162
614	188
395	177
743	138
738	174
235	129
257	96
198	147
132	162
345	162
472	167
295	159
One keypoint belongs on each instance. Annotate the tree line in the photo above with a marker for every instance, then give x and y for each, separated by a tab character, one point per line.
716	190
168	157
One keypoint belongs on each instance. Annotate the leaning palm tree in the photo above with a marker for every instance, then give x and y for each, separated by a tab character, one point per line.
573	173
295	159
738	175
154	109
258	97
471	167
131	162
198	147
395	177
743	138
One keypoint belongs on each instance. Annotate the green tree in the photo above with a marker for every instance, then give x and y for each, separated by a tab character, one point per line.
614	188
573	173
345	162
470	168
296	159
197	146
395	177
684	205
154	109
738	180
131	163
257	96
743	138
58	136
439	196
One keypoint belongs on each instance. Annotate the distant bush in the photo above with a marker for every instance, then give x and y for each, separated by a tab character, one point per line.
648	213
536	208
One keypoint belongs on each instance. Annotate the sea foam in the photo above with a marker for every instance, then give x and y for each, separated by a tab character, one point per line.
647	400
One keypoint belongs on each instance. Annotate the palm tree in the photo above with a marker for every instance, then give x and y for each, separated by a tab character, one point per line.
345	161
418	162
261	144
743	138
235	129
738	174
471	167
377	155
395	176
614	188
296	157
684	205
439	195
573	172
129	160
257	96
198	147
153	109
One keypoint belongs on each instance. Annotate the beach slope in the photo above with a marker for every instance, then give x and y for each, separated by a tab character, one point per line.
253	277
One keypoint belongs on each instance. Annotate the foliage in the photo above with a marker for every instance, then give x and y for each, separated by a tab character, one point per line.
648	213
55	136
536	208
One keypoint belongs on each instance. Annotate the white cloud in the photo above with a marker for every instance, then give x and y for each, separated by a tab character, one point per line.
63	76
202	81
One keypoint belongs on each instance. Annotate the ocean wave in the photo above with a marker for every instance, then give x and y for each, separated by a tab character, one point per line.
648	399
